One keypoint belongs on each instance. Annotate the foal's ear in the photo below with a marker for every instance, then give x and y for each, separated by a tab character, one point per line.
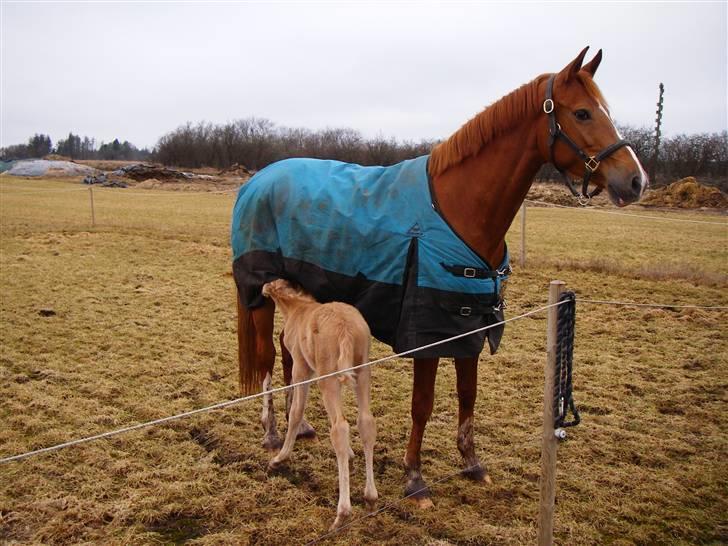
574	66
591	66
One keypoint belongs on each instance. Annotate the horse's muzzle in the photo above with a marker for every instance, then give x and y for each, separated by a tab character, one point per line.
626	190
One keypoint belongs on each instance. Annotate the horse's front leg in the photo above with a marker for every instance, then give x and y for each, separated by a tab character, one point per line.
304	429
467	385
423	395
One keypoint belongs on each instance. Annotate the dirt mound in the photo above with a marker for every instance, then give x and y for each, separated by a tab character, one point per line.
556	193
236	169
550	193
149	183
686	193
142	171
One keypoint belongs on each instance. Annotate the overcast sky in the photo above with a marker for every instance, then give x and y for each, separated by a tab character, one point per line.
410	70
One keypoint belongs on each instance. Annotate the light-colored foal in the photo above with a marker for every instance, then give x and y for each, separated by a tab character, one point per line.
323	338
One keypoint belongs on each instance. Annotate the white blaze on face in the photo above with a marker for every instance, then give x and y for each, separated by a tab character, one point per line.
643	174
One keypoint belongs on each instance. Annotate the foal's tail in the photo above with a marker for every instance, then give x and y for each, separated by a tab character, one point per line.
251	377
346	358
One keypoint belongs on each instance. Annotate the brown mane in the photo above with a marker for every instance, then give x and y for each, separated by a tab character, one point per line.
494	120
485	126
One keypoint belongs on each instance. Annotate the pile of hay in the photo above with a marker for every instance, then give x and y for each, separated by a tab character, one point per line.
686	193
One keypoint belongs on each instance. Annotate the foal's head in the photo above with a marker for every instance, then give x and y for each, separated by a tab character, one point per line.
583	115
283	291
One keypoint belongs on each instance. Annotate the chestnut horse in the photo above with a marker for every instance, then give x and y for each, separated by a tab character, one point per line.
479	178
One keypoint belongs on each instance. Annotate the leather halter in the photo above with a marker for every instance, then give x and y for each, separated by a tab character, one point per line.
591	163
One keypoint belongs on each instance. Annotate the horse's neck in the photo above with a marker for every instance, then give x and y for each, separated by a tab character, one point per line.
480	196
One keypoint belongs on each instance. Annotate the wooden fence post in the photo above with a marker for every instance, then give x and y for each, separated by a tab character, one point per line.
93	212
548	449
523	234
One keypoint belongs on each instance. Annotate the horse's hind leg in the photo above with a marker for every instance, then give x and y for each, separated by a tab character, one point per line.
423	396
467	386
304	429
265	354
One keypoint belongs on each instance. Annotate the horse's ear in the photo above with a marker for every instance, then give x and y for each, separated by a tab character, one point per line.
575	65
591	66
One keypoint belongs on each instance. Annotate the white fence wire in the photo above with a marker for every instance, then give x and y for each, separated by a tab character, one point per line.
228	403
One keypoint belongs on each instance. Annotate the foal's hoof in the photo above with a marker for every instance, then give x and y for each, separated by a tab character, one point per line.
305	432
272	442
371	503
274	464
340	521
477	474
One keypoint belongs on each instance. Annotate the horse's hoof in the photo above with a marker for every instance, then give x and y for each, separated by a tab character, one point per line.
422	503
477	474
416	489
305	432
272	442
371	504
273	465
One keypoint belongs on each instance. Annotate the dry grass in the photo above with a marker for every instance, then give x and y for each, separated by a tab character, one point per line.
144	328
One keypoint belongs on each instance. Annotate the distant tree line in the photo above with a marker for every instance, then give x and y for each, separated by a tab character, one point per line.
75	147
256	142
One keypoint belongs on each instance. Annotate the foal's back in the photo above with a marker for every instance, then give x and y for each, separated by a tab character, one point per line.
330	336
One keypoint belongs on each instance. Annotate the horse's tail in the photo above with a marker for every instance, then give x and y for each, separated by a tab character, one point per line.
346	358
251	376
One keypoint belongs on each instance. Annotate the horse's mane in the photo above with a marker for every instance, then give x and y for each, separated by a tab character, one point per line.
494	121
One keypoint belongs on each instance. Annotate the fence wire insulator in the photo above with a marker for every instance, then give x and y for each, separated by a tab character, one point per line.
563	391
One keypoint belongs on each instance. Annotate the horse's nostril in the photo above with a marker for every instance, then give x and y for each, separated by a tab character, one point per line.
636	185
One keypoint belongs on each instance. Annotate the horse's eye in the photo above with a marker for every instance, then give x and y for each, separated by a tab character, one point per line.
582	115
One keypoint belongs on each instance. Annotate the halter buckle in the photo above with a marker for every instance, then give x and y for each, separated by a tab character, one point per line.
583	199
592	164
548	106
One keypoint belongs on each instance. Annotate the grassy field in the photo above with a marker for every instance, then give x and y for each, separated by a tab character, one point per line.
142	325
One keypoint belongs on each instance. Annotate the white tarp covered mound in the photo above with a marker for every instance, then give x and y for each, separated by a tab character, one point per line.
45	167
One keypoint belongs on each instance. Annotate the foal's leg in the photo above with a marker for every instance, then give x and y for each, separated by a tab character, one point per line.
300	394
304	429
467	385
367	431
331	394
423	395
265	352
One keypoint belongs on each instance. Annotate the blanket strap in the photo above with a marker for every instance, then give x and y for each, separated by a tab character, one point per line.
470	272
471	310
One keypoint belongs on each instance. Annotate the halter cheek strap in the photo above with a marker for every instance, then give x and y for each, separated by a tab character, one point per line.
591	163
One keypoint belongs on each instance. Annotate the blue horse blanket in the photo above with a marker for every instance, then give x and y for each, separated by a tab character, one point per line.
371	237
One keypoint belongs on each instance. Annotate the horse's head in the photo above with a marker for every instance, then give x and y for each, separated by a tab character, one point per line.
581	139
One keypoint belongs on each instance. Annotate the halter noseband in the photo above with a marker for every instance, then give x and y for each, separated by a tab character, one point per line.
591	163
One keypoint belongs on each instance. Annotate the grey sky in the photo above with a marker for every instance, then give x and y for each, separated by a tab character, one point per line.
409	70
